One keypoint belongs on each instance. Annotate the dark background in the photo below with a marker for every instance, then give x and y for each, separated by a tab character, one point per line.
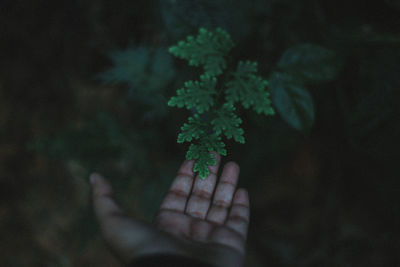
325	197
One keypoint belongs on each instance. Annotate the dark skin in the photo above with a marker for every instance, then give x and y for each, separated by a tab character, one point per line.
201	219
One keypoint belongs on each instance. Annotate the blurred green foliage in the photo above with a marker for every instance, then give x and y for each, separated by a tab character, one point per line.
147	72
292	100
310	63
93	143
182	18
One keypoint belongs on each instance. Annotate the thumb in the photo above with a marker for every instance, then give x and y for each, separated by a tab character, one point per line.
105	207
127	237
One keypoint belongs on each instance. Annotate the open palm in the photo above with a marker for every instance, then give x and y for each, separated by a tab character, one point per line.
197	218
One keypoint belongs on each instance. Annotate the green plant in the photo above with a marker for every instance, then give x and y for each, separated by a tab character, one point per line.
147	72
212	116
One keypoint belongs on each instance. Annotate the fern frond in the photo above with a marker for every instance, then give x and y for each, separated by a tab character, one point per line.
201	153
195	94
249	89
227	122
192	130
203	158
207	49
214	143
205	132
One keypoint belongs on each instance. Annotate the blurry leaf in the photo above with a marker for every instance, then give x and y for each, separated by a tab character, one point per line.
310	62
292	100
238	17
141	68
128	66
147	72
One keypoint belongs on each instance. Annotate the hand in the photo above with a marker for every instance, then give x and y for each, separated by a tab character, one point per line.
197	219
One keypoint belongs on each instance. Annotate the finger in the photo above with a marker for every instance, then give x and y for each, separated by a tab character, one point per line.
105	207
224	193
127	237
239	215
203	189
179	191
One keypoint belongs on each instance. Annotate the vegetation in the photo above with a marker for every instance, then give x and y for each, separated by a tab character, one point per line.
90	92
211	118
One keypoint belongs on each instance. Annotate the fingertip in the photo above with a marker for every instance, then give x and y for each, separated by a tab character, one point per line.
217	156
94	177
234	165
244	192
101	187
214	168
242	196
230	173
186	168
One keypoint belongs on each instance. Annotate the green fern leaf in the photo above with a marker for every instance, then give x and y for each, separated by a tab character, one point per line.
205	132
214	143
195	94
227	122
207	49
201	153
192	130
203	157
249	89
